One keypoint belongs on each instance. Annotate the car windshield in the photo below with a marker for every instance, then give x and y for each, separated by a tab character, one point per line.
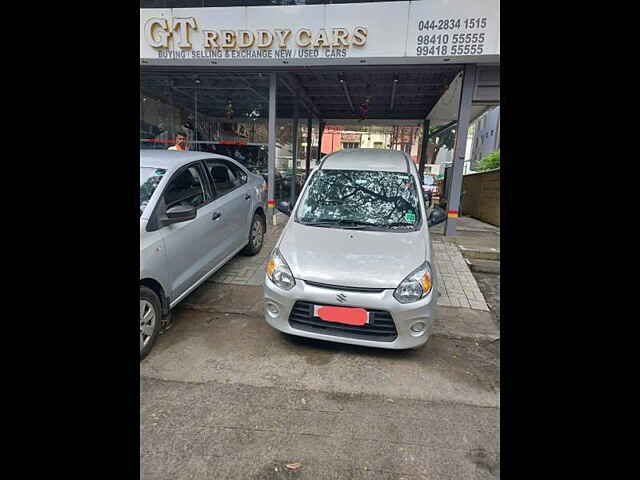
149	180
360	199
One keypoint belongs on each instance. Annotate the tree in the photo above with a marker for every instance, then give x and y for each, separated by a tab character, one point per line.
490	162
446	139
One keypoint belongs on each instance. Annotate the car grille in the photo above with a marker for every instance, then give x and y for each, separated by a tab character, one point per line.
380	327
346	289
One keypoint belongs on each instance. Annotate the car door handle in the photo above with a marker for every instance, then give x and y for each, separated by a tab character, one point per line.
216	216
247	196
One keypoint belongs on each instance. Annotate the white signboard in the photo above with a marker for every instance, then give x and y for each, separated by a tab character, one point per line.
422	31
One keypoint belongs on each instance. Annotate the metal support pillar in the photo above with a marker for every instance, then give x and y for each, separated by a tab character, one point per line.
271	165
457	169
172	122
195	131
294	155
320	133
142	130
307	165
423	152
448	175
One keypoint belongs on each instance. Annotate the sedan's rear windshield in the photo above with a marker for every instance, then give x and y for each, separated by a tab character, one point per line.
360	199
149	180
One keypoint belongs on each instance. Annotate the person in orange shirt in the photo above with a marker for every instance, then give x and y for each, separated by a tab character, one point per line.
181	143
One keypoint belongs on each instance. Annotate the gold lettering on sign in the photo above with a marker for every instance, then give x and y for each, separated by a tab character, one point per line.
210	38
340	37
322	40
359	36
283	36
245	38
307	41
264	38
228	38
157	33
181	25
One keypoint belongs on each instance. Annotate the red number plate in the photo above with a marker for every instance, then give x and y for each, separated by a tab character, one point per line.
348	316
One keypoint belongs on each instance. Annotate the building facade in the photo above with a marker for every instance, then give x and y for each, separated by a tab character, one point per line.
243	77
486	136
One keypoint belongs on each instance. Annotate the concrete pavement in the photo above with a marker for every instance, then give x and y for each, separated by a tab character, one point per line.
225	396
215	430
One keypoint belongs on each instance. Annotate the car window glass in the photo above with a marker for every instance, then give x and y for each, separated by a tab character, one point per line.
378	199
225	175
241	177
185	189
149	180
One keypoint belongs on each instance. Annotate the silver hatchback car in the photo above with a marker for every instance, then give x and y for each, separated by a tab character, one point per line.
197	211
354	263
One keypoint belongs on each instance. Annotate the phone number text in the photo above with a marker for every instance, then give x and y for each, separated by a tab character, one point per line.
453	23
441	50
456	38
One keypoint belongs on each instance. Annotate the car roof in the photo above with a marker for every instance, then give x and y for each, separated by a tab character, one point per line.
376	159
172	159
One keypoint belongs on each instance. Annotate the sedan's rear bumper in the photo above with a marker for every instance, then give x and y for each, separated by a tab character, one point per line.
403	315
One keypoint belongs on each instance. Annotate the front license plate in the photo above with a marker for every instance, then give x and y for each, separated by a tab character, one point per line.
345	315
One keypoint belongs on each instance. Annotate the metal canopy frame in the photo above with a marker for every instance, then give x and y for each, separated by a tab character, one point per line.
398	92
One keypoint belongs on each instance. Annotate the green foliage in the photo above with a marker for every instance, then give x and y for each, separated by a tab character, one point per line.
490	162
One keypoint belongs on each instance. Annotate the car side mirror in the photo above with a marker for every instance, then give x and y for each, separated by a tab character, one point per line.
179	213
437	215
285	208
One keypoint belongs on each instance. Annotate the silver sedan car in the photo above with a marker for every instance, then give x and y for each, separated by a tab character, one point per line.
197	211
354	263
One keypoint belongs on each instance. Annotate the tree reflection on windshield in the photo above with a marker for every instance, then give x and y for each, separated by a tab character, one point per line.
361	198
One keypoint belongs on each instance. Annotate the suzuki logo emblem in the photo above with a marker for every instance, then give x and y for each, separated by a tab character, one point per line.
341	297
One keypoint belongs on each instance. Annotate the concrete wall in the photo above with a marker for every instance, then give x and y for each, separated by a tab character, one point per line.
481	196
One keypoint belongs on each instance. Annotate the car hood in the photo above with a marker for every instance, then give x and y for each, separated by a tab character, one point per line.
352	258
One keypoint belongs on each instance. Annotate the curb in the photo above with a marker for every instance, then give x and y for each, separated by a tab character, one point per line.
480	254
484	266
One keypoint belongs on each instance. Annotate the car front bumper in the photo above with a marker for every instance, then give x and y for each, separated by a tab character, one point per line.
403	315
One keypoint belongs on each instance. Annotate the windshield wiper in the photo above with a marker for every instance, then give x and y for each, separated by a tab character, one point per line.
398	224
350	224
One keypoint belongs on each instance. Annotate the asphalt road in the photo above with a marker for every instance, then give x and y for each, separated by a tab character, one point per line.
224	396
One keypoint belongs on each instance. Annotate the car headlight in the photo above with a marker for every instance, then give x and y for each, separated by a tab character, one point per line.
279	272
417	285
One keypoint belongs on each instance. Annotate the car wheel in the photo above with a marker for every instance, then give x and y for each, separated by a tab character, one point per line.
256	236
150	318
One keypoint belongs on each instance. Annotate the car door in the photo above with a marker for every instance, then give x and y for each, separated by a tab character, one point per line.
188	244
233	201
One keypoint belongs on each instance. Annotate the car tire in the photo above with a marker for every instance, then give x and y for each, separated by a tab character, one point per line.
256	236
150	319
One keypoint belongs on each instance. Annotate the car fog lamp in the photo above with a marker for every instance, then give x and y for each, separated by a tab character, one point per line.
418	327
273	309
